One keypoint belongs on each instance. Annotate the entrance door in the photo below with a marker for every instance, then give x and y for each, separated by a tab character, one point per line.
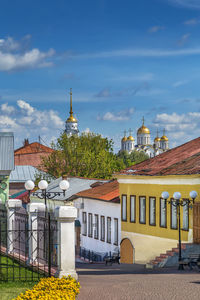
126	252
196	223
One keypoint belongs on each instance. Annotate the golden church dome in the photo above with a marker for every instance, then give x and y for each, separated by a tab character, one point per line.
157	139
71	119
130	138
164	138
143	129
124	139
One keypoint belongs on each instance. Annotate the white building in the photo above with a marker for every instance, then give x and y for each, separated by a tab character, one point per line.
159	146
71	126
100	218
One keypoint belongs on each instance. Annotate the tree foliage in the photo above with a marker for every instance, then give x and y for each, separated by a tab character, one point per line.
88	155
133	158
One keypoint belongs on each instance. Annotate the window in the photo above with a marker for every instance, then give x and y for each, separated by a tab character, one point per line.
90	225
116	232
163	213
142	201
185	215
108	230
96	227
173	216
152	211
124	208
132	208
84	220
102	228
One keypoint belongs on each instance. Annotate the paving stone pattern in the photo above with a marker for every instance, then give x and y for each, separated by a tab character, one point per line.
134	282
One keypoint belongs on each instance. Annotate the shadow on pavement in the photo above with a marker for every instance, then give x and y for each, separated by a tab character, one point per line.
115	269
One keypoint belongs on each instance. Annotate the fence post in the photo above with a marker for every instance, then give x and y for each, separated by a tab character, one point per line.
33	210
66	216
12	205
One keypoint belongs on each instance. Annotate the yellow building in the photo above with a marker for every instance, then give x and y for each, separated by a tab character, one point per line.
149	225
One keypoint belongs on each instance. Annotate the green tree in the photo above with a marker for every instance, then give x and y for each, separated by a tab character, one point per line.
133	158
87	155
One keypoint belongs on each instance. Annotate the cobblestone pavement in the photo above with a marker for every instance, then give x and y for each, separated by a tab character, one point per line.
134	282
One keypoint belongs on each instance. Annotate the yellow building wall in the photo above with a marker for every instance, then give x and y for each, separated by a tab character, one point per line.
150	241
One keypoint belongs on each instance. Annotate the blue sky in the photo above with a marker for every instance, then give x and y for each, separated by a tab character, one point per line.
123	60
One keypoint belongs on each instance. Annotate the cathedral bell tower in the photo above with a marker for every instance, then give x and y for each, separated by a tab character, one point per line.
71	126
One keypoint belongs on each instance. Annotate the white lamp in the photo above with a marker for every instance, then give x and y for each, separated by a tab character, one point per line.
43	185
29	185
177	196
165	195
193	194
64	185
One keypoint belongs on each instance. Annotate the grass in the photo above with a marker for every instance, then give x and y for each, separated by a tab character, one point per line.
10	290
12	272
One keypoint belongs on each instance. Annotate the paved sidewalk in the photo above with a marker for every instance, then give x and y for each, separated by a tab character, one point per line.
134	282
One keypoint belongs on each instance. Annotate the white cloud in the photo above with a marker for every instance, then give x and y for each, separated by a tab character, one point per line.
28	121
193	4
123	115
179	127
180	83
25	106
6	121
7	108
142	53
13	57
191	22
183	40
104	93
154	29
138	77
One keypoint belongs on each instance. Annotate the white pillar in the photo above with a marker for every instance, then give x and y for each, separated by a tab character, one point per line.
33	210
12	205
66	216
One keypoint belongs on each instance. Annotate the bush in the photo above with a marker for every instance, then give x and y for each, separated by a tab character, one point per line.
52	288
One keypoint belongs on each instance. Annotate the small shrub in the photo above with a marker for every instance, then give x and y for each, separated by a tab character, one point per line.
52	288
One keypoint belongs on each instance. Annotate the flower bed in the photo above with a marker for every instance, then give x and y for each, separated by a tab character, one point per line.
52	288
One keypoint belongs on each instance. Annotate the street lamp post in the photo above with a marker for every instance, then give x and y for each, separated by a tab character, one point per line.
177	202
44	194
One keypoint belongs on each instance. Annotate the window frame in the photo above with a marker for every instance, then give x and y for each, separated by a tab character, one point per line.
116	242
161	199
125	219
103	218
140	197
96	226
188	212
109	241
171	207
84	213
90	226
134	197
154	198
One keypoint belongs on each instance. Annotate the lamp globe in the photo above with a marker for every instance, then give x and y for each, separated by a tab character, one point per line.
43	185
177	196
64	185
193	194
29	185
165	195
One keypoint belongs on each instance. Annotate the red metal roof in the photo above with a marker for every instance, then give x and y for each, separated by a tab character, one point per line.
107	192
33	148
184	159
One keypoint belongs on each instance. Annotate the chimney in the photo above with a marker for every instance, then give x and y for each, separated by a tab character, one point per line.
26	142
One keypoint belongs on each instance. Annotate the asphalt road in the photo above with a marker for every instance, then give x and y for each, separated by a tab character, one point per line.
134	282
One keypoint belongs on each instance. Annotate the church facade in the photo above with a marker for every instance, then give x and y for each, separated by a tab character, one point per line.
159	146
